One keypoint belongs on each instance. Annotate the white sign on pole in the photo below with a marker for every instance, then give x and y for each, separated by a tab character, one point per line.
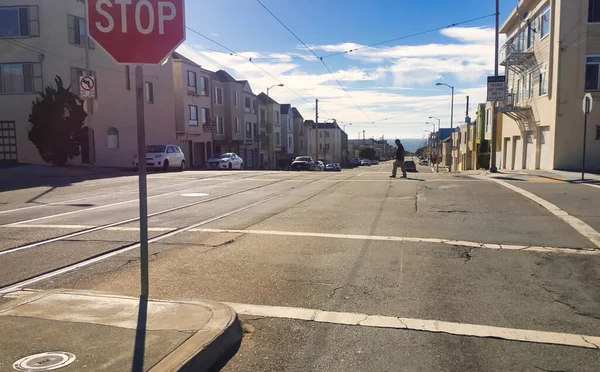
587	107
87	86
496	88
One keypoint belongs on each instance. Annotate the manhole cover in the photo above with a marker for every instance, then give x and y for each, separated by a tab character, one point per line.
194	194
44	361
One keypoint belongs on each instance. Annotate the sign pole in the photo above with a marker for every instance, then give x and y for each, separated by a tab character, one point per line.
89	101
587	103
141	134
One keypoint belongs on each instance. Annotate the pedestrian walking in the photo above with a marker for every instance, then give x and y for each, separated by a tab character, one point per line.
399	160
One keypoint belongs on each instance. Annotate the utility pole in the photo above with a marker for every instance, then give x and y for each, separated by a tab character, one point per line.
493	167
89	101
317	127
467	134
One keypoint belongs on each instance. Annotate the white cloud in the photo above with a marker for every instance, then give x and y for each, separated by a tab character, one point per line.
386	81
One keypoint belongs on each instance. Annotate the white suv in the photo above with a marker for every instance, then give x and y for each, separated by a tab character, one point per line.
163	157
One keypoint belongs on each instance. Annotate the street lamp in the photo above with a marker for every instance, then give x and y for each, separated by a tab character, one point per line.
451	113
271	134
344	125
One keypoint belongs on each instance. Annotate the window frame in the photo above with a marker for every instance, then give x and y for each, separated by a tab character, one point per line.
543	82
590	13
220	124
218	99
193	116
236	98
237	125
110	135
149	92
204	115
192	88
530	42
544	12
248	130
36	78
597	64
71	21
203	86
33	21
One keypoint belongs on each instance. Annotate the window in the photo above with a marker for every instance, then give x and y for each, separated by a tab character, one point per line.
112	137
591	73
170	150
220	126
277	139
236	99
530	33
253	106
127	77
277	117
529	89
255	129
321	134
597	132
594	11
290	142
20	77
78	31
149	92
8	138
247	104
248	130
19	21
543	81
237	125
204	116
192	86
203	86
289	123
263	118
521	40
545	20
218	99
193	110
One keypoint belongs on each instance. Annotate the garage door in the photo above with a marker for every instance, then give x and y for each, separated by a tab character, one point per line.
544	148
518	163
529	152
507	154
8	142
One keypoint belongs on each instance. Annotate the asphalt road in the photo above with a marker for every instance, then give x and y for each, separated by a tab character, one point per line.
351	242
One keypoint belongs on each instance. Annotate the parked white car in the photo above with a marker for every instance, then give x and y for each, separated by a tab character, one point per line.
163	157
319	166
226	160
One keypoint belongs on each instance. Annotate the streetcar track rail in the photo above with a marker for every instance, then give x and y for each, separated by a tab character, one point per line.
128	247
66	202
123	222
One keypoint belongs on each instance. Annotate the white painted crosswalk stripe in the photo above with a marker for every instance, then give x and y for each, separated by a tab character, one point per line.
426	325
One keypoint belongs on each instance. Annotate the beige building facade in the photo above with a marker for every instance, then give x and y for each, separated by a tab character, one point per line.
551	59
51	42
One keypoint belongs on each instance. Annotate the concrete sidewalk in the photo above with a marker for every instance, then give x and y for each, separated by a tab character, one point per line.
43	171
95	331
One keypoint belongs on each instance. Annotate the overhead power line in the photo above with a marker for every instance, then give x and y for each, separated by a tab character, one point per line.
320	59
409	36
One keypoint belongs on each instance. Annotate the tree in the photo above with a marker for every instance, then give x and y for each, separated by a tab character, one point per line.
368	153
421	151
57	118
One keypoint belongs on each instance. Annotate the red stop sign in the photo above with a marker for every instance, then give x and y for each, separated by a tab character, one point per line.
137	31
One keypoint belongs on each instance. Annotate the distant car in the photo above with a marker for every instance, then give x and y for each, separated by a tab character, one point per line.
162	157
354	163
226	160
365	162
303	163
410	166
333	167
320	166
374	162
424	162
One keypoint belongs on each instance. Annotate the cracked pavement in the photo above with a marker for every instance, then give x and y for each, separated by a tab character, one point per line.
475	253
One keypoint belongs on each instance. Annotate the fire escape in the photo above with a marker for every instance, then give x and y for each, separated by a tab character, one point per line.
519	62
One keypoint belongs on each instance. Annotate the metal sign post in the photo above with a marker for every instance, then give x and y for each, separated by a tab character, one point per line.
141	137
587	108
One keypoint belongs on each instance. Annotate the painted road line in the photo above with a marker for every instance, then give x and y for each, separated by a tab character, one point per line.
422	325
592	185
580	226
461	243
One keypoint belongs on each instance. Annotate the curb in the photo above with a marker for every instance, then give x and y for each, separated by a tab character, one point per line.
196	354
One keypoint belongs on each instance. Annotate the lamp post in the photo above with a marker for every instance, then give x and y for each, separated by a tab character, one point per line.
344	125
271	140
439	145
451	114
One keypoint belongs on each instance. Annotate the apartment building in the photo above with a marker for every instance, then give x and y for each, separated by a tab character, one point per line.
269	112
44	39
287	133
551	59
249	149
193	110
229	113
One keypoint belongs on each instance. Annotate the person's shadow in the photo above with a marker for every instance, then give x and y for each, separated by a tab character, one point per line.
139	347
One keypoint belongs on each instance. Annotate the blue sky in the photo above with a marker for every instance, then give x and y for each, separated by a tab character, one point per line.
394	81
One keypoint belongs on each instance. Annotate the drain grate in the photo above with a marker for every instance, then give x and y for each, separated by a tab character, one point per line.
44	361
